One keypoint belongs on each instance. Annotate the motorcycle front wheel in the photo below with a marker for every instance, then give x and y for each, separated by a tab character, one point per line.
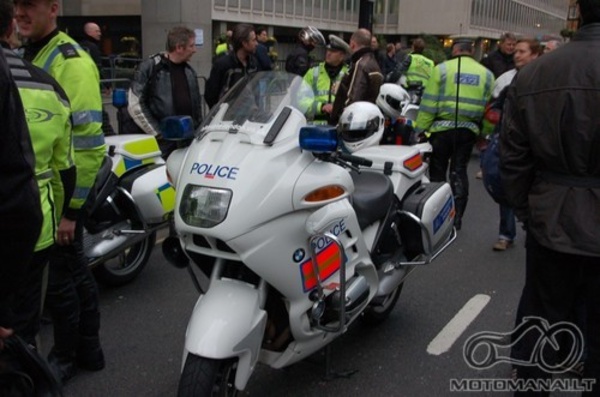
377	312
206	377
126	266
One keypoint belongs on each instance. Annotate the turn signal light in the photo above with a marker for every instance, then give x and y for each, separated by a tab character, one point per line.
325	193
414	162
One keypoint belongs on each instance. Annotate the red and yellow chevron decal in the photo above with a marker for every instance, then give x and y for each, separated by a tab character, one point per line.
329	260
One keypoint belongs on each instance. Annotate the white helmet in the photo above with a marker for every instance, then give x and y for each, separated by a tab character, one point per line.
361	125
311	36
392	100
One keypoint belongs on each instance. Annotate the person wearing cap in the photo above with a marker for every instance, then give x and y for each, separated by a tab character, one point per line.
325	78
364	78
501	60
451	113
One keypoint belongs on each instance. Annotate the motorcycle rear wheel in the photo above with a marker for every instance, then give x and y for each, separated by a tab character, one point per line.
205	377
377	313
126	266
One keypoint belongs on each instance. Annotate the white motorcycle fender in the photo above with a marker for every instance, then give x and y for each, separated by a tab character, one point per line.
228	322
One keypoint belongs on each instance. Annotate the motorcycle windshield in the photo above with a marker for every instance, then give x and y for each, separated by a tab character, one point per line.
254	103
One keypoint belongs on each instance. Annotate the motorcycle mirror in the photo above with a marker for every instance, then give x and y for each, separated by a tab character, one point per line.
119	98
318	139
176	128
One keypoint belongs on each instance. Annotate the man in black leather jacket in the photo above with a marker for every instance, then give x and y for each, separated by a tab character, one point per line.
550	168
166	85
231	68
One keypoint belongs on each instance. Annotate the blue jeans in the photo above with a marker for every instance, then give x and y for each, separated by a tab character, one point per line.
508	225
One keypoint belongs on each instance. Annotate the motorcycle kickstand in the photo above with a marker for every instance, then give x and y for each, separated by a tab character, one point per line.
330	374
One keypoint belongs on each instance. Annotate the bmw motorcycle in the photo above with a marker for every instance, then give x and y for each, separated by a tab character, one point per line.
298	238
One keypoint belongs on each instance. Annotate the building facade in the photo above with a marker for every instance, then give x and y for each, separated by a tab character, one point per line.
393	19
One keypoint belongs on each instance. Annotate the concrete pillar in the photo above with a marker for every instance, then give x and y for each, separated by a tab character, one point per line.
71	7
158	16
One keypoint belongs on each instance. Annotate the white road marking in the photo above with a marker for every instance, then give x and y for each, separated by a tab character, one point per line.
454	329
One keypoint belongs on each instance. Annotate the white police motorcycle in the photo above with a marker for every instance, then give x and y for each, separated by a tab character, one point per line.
297	238
133	200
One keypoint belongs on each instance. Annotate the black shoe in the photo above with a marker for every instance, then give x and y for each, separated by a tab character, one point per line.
457	223
89	354
63	365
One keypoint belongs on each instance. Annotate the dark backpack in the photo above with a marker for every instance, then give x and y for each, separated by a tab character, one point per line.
490	167
490	158
24	373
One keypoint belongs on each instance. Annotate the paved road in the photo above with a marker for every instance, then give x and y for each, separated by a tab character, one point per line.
143	326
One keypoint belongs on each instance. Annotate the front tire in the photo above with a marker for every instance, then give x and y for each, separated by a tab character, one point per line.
126	266
205	377
377	312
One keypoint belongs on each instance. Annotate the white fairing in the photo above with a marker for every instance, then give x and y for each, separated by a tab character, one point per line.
174	163
229	313
250	147
150	192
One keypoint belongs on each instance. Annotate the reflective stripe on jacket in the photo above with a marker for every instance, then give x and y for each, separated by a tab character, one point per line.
439	109
77	74
48	119
420	69
323	88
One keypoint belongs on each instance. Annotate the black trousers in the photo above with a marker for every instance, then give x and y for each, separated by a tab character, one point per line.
28	299
72	296
555	283
452	148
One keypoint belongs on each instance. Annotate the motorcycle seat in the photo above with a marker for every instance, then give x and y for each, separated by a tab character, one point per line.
98	192
373	195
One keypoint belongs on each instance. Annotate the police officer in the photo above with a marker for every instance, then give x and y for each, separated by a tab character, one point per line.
72	297
20	212
325	78
51	140
451	112
416	66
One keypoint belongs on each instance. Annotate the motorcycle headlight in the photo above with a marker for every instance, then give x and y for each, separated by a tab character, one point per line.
203	206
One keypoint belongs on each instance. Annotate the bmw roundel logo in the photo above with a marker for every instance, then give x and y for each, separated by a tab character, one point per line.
299	255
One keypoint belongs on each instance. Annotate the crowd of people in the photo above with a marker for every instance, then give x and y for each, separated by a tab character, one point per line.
539	106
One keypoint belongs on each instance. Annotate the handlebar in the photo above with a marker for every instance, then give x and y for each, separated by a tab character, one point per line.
355	160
